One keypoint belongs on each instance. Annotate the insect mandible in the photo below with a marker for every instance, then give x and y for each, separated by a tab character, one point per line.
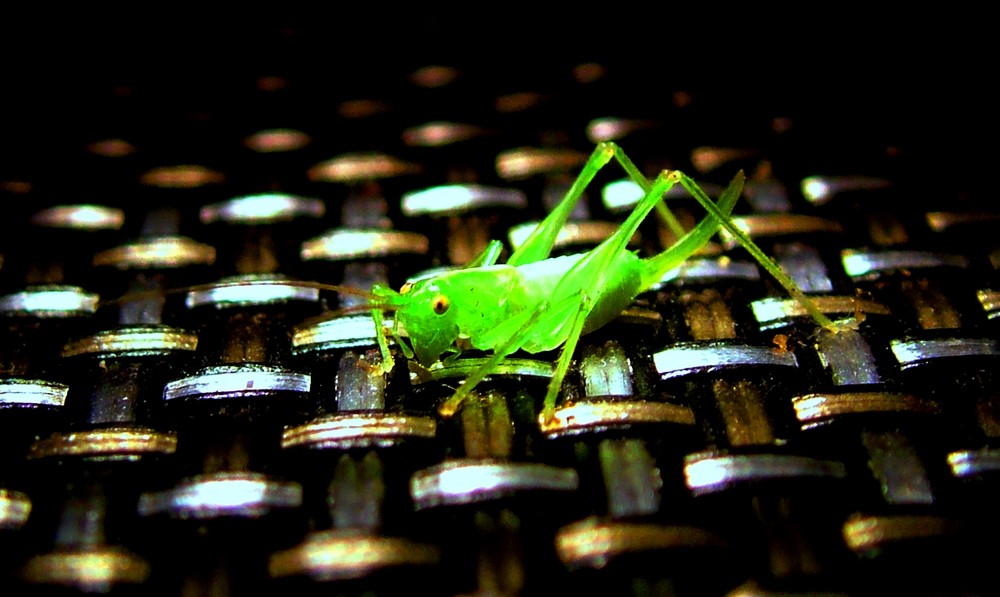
538	303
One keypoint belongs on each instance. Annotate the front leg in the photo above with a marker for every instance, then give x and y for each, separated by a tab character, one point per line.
383	345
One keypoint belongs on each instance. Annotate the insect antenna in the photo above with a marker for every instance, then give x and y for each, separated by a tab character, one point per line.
353	309
155	293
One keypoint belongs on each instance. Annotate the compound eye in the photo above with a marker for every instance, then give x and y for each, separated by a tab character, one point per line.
440	304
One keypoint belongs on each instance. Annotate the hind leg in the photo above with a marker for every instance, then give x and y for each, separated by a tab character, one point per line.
762	258
539	244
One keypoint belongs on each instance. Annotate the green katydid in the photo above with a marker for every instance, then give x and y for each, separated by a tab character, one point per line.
538	303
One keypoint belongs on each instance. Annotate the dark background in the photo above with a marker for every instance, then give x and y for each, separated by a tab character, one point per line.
846	73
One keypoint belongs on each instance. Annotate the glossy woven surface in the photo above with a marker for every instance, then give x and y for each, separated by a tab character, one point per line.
187	407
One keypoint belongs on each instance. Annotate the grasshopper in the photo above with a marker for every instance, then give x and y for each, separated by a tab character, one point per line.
538	303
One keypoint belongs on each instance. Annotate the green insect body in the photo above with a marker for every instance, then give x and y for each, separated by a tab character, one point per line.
536	303
487	306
